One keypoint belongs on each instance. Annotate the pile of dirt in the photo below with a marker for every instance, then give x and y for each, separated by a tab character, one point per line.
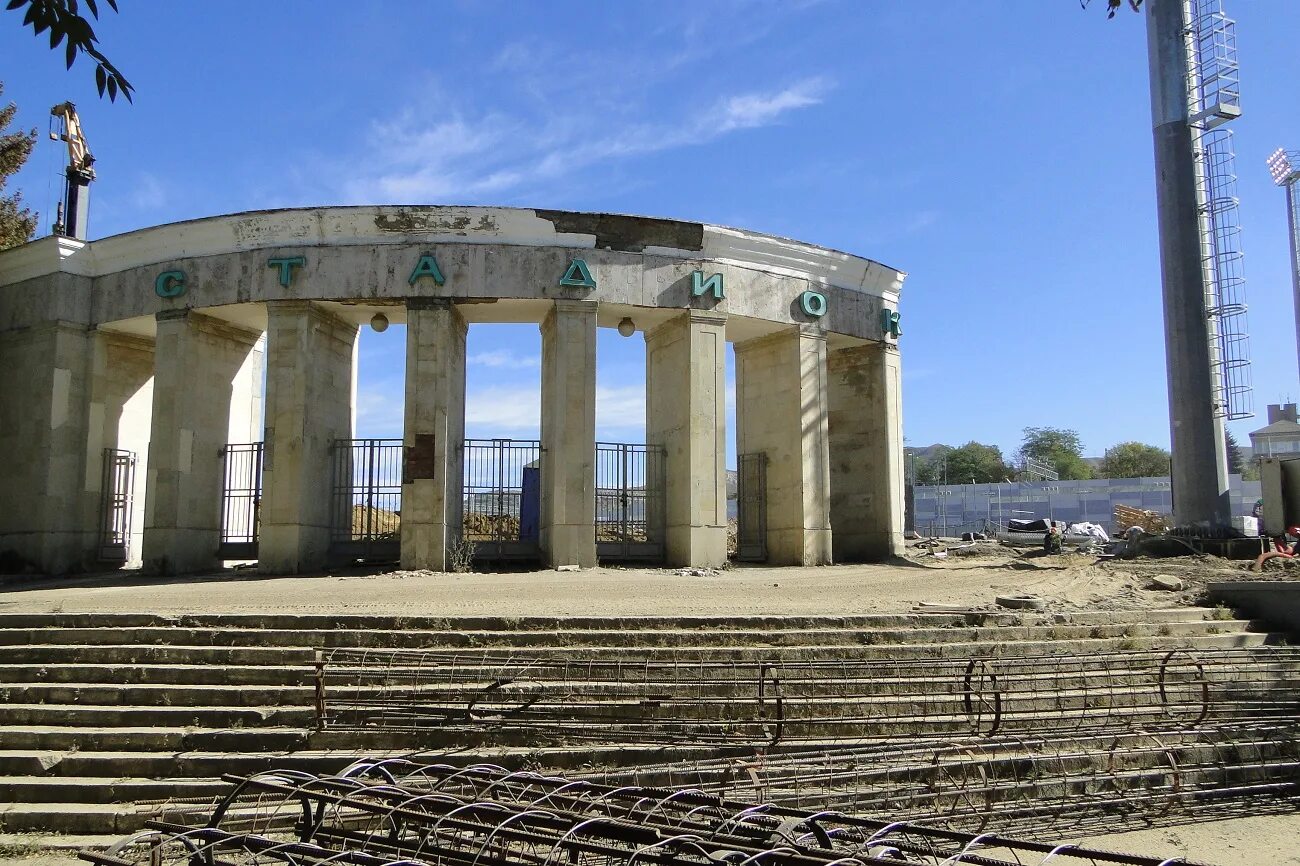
375	522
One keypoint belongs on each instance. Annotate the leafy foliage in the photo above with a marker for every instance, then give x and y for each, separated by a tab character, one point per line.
1061	448
17	223
976	463
1236	464
1112	6
68	27
1134	460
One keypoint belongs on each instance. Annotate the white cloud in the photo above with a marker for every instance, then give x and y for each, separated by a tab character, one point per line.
465	158
749	110
620	407
503	358
148	192
505	408
379	413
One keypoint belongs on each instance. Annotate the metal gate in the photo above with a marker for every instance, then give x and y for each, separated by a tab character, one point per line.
751	507
367	499
502	498
241	500
116	497
629	501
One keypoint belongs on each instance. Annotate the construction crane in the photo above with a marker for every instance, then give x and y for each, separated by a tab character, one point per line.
74	209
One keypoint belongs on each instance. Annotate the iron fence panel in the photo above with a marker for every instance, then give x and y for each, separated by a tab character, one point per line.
751	507
241	500
116	496
367	499
502	497
629	501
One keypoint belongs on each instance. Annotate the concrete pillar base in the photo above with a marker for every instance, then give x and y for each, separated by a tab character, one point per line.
204	379
433	447
568	476
865	425
781	411
308	407
686	361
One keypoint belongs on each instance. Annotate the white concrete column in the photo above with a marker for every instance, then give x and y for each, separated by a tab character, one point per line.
308	406
43	428
568	476
121	407
203	368
433	442
781	412
866	452
686	369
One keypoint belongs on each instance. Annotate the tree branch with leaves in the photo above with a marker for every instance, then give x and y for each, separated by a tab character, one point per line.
67	26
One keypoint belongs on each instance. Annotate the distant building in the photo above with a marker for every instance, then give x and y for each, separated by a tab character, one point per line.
1281	436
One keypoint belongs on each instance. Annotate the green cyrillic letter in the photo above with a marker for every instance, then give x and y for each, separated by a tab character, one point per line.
578	275
427	266
286	267
699	285
170	284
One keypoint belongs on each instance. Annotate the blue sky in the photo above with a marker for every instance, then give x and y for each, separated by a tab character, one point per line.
998	152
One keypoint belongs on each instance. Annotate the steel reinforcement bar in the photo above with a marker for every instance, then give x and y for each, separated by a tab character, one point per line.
459	696
485	816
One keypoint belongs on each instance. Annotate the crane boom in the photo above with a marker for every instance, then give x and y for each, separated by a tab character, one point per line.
79	172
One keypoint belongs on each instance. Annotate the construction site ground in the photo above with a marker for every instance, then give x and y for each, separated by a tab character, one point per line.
972	577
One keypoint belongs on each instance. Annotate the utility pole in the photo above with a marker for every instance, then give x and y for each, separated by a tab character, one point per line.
1200	474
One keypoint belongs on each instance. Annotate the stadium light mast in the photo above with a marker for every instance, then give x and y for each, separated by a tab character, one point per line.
1285	167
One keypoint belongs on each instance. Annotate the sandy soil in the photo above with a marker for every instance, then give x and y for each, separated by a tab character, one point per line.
971	577
1263	840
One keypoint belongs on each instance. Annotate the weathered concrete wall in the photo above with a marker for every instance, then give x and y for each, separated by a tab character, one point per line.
865	429
202	370
686	367
310	354
433	433
43	427
781	411
568	477
1276	602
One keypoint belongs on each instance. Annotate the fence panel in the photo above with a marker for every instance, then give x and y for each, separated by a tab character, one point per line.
367	499
502	497
629	501
241	500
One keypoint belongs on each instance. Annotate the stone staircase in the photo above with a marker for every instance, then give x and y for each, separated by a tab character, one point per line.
103	718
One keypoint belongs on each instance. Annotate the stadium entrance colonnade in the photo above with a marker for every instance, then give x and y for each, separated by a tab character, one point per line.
135	428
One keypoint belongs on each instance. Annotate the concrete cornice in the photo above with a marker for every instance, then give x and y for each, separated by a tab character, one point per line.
283	230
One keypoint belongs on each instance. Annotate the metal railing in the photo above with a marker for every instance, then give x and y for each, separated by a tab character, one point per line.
367	498
502	497
241	500
117	496
751	507
629	501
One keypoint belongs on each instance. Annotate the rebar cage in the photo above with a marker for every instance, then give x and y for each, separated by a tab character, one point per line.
451	697
241	500
367	499
629	501
116	502
403	812
502	497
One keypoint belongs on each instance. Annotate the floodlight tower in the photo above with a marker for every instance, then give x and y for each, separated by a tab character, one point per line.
1285	168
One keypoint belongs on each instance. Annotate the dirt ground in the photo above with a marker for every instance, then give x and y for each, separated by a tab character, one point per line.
970	577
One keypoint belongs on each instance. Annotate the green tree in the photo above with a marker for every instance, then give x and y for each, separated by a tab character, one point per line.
1235	462
932	469
17	223
1061	448
976	463
67	26
1134	460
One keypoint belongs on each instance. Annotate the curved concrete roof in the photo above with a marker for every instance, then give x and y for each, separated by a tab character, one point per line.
364	252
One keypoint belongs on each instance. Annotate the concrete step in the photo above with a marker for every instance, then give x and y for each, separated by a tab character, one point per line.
161	654
128	716
79	818
102	694
56	849
82	789
50	737
192	674
299	622
574	639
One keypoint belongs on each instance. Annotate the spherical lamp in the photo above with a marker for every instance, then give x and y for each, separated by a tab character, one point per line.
379	322
626	327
